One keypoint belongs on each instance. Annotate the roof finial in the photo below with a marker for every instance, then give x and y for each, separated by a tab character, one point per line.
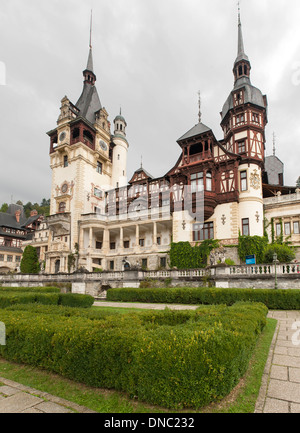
239	13
199	102
141	161
91	28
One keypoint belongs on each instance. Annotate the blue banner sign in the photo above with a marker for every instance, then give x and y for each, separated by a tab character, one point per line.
251	260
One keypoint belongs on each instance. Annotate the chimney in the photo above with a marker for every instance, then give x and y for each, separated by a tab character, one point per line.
18	214
33	213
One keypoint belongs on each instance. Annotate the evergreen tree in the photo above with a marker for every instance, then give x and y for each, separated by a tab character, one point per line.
30	262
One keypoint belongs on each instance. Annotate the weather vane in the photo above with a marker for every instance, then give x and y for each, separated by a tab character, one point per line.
199	102
91	28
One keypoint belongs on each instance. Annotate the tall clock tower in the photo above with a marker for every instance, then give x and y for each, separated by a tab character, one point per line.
82	154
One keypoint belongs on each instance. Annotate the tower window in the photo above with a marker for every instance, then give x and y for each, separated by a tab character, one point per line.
62	207
244	185
99	167
66	161
241	146
88	136
75	133
245	227
208	181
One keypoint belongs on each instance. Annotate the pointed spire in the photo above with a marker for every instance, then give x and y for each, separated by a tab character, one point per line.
91	29
90	64
241	50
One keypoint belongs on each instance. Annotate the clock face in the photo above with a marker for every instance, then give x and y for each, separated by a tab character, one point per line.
103	145
62	136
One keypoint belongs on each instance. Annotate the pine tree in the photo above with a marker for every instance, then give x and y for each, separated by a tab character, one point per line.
30	262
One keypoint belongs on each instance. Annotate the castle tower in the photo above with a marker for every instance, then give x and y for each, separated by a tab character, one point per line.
82	150
244	118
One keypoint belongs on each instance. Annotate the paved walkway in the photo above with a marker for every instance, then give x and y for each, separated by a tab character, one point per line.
279	393
17	398
280	390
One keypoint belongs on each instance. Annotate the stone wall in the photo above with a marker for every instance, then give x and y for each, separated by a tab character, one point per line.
96	284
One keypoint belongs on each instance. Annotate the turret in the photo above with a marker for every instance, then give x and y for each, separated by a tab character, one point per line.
120	150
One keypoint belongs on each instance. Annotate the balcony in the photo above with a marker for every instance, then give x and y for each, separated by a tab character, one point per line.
202	209
60	223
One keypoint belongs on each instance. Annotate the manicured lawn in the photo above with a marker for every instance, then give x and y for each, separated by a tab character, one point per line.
241	400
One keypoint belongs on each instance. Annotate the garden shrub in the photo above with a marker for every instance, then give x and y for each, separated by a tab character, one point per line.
249	245
273	299
185	256
170	358
30	289
76	300
30	262
66	299
285	253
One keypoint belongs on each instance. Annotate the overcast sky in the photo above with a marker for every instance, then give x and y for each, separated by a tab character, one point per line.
151	57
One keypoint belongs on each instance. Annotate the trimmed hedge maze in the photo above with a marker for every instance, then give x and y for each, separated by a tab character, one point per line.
175	359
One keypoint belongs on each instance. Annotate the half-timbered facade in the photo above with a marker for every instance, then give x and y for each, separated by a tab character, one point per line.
215	190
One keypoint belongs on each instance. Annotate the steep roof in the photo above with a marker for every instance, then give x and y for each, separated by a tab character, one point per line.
198	129
89	102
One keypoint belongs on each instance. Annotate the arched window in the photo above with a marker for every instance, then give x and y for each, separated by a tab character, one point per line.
62	207
208	181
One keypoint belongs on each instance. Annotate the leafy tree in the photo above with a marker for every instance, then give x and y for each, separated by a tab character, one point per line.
30	262
4	208
298	182
285	254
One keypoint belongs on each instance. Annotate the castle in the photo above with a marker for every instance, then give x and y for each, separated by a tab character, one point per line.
216	189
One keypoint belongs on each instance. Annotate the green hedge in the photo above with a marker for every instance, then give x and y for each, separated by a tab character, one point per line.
175	359
30	289
273	299
65	299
